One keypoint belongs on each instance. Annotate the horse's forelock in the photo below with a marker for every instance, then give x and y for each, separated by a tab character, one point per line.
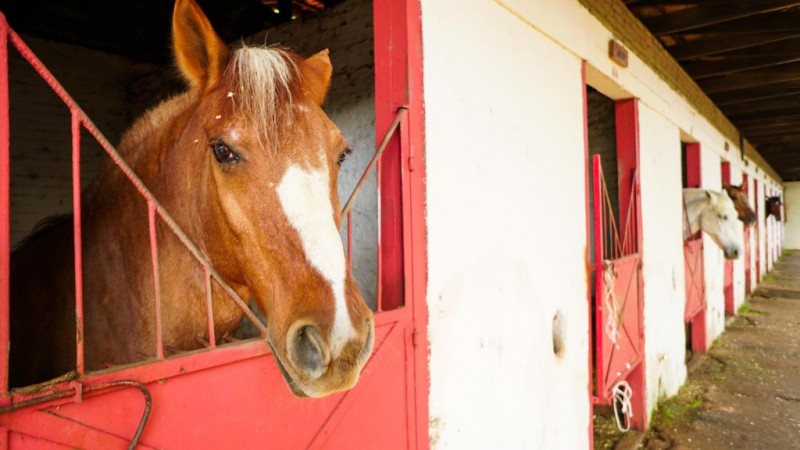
262	83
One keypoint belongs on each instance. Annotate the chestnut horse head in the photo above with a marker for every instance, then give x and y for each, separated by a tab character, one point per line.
260	161
715	214
774	207
743	209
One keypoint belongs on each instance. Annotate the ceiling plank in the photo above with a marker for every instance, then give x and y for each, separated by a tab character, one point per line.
787	113
717	44
745	81
772	104
755	94
782	21
708	69
780	48
705	15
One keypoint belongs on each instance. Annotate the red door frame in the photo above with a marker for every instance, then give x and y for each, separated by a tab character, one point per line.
695	311
727	278
399	82
402	268
627	138
748	265
756	230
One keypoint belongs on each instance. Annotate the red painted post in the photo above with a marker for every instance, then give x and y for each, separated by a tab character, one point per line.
727	277
78	247
627	134
391	93
693	168
748	264
5	220
151	219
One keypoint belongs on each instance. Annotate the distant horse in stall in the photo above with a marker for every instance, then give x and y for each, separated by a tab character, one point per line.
715	214
773	207
246	162
742	204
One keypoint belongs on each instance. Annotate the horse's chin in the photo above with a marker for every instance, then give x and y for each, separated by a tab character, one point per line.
288	378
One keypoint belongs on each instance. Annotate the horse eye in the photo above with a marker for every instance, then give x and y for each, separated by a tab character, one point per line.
223	153
343	156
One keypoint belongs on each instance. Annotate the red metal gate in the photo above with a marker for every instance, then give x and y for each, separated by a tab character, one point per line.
618	294
695	310
233	396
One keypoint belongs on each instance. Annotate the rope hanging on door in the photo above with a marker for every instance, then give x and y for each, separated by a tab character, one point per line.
621	395
610	301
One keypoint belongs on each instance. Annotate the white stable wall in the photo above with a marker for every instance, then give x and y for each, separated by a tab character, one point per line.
504	146
662	256
791	209
504	141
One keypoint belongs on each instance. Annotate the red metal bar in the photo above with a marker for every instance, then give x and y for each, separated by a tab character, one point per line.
212	337
597	193
78	248
5	221
151	219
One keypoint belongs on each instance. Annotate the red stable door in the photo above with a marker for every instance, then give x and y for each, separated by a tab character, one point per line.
695	310
727	279
756	232
619	332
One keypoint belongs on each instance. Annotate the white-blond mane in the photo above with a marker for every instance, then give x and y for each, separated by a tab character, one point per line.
263	78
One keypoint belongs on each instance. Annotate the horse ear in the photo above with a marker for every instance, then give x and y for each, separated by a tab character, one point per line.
316	72
712	198
200	53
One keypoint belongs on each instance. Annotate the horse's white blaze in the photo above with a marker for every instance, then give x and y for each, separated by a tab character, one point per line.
305	199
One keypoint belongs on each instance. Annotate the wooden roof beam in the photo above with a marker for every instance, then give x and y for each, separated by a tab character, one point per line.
756	94
745	81
704	15
708	69
777	114
716	45
773	104
783	21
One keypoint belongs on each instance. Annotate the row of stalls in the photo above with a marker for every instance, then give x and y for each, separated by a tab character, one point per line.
522	243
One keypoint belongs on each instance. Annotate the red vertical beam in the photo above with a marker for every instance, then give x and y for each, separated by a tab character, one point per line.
693	169
391	92
401	180
151	219
726	173
627	134
78	247
756	229
748	265
5	220
599	337
727	270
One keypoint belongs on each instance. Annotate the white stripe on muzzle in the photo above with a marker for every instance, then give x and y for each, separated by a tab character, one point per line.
305	199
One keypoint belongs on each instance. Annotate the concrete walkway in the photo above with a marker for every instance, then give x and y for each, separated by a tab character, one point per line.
745	392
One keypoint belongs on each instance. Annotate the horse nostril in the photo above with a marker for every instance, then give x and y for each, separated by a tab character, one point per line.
306	350
735	253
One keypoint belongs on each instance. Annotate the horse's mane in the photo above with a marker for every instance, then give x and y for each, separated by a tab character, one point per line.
42	228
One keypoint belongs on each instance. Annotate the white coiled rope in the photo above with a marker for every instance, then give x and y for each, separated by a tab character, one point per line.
610	301
621	395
